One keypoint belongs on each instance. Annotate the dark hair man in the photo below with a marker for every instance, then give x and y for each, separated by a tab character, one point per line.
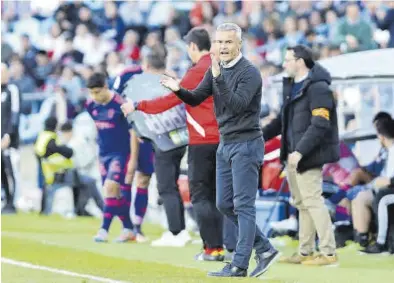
114	151
308	124
10	111
203	143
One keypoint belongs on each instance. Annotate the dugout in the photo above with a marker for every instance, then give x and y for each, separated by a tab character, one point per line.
363	83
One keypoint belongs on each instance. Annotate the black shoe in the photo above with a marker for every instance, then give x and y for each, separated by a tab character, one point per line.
8	210
229	271
362	239
374	249
264	261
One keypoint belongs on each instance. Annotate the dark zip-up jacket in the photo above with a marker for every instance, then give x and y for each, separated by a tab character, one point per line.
311	119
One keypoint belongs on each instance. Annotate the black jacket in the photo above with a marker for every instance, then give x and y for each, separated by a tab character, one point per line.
6	111
313	121
10	112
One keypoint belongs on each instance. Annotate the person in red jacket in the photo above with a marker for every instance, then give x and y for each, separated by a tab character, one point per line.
203	143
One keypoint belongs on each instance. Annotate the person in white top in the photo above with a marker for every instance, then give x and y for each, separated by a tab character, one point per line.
384	187
380	186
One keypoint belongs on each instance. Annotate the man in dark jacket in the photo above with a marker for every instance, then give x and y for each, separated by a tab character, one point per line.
308	124
235	85
385	20
10	101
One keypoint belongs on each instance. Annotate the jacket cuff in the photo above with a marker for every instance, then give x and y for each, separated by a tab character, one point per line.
302	150
392	181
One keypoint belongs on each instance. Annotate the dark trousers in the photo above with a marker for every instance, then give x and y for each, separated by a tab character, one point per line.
237	178
202	183
84	188
7	178
167	168
230	234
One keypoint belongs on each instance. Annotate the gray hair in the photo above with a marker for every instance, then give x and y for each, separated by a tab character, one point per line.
231	27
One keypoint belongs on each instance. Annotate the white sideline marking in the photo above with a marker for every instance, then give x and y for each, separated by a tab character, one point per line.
58	271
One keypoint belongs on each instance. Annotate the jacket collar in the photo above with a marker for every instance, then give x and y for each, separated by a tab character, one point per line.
287	84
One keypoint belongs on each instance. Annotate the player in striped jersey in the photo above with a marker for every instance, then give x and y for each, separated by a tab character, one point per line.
142	156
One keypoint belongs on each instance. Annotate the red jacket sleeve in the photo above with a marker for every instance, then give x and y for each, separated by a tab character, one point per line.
161	104
158	105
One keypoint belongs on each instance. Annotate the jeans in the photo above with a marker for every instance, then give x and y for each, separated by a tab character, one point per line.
237	180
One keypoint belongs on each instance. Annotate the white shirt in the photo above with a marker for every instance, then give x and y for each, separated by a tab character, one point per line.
301	79
233	62
388	170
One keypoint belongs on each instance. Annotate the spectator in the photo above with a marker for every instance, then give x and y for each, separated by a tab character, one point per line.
43	69
129	48
83	158
317	24
354	34
85	17
83	40
131	14
372	170
84	71
176	63
364	176
303	24
71	83
201	13
114	64
70	54
53	42
112	24
363	201
28	52
161	15
270	10
152	40
332	24
172	37
20	78
6	51
95	52
385	21
292	35
384	199
229	15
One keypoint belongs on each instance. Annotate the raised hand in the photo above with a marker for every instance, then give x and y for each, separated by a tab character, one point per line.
170	83
215	66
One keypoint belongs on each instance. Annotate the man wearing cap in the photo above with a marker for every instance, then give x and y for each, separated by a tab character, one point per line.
203	143
309	129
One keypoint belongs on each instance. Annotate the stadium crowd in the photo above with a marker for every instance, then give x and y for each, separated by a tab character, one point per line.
59	45
52	50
